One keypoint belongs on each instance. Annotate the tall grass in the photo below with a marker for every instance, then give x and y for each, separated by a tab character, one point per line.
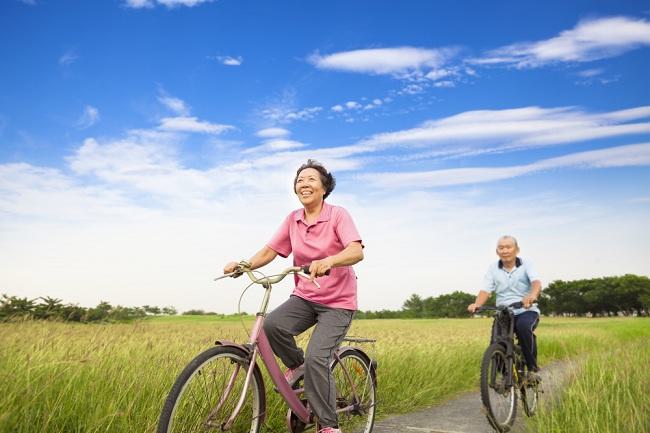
57	377
608	393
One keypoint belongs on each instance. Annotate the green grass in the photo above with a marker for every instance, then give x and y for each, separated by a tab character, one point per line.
608	393
58	377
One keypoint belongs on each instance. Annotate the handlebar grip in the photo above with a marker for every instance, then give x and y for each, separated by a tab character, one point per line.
305	269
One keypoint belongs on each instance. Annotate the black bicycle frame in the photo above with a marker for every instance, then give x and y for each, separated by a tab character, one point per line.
506	337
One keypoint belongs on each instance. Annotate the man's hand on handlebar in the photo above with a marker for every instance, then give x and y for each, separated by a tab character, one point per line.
528	301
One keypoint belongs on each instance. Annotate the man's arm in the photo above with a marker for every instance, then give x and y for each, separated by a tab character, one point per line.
481	299
536	289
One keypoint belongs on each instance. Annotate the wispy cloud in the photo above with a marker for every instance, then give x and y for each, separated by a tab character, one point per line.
282	114
191	124
28	2
273	133
89	117
399	62
68	58
229	61
481	131
177	105
621	156
139	4
590	40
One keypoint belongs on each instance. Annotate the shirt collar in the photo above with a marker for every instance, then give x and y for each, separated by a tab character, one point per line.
325	214
517	263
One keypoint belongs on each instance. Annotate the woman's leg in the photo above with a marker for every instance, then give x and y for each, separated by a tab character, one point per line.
332	325
281	325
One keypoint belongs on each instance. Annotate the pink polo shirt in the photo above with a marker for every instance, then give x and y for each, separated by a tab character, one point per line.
329	235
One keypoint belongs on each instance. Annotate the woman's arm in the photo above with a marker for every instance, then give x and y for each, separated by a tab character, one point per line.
350	255
261	258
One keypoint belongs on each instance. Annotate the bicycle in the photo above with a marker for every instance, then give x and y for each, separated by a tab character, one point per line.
222	389
503	372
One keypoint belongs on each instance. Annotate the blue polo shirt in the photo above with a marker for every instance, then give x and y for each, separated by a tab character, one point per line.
511	286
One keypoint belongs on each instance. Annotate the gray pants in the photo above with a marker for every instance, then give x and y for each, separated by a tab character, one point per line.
294	317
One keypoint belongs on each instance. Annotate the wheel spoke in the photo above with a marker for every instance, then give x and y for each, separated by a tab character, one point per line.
201	399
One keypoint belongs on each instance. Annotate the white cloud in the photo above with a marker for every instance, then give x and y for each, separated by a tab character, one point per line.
338	108
399	61
587	73
481	131
230	61
139	4
273	133
352	105
590	40
283	114
176	105
89	117
621	156
276	145
68	58
191	124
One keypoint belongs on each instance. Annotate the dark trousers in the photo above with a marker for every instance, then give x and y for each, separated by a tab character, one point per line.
295	316
525	324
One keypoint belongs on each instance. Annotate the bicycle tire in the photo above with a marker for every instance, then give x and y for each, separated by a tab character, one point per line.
499	400
193	402
530	396
356	391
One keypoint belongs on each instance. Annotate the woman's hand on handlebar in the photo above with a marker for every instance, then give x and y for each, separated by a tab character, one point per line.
230	267
318	268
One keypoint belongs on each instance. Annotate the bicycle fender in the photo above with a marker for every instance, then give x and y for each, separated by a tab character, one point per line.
371	362
246	348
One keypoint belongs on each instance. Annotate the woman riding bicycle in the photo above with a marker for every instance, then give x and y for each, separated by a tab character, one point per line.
325	236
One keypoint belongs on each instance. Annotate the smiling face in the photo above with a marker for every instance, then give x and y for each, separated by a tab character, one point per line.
309	187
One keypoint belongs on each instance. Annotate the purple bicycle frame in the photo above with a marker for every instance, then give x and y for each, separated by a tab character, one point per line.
262	346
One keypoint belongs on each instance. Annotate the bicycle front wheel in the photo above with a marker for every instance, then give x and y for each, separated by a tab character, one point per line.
499	398
356	392
207	391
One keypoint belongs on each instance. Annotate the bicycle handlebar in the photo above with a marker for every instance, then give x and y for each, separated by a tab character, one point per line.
513	306
244	268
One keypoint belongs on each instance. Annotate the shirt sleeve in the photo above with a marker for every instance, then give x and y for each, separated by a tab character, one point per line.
530	270
345	228
488	281
281	240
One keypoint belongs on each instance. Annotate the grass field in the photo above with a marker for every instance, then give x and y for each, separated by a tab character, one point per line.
58	377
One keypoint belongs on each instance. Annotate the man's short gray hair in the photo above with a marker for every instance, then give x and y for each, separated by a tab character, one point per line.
504	237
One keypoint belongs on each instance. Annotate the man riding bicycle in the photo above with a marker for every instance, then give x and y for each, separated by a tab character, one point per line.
514	280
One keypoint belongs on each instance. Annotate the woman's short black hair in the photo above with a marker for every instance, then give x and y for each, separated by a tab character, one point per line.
326	177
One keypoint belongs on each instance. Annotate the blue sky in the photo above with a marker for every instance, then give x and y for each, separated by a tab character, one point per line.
144	143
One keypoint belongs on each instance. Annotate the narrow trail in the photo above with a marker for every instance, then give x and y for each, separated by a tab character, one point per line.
464	414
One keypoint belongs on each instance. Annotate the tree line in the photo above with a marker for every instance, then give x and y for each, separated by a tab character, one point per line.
48	308
607	296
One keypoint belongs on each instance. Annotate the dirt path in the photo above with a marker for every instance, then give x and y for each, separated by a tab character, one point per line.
464	414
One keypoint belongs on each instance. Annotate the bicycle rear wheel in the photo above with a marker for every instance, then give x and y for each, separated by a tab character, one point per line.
207	392
356	392
498	398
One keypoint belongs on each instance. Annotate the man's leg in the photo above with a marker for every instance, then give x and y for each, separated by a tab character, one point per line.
525	324
333	324
281	325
